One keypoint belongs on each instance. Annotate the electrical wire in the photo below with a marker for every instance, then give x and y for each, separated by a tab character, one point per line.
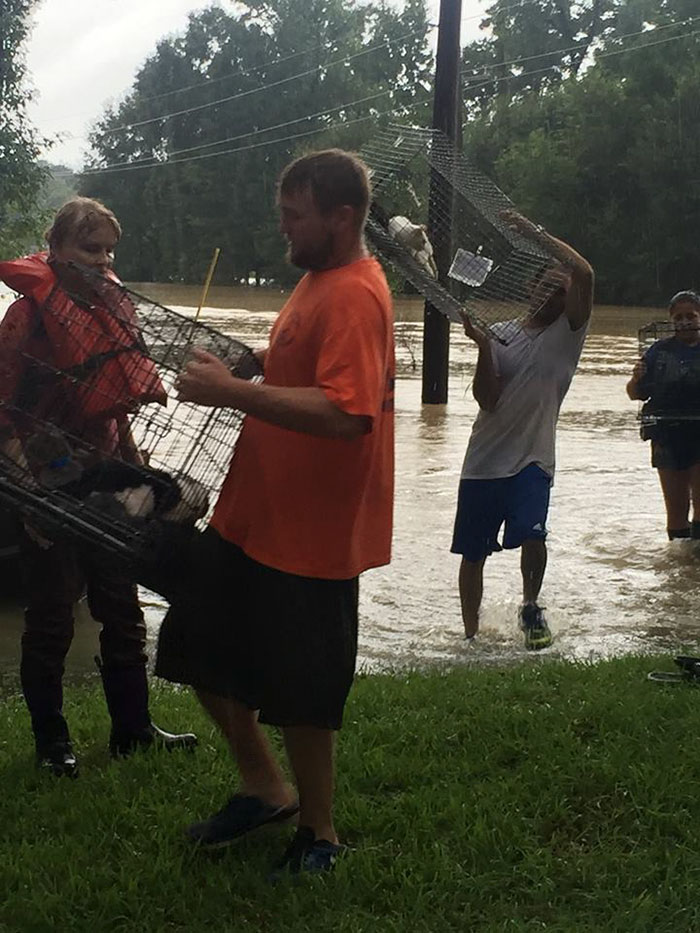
256	90
525	74
278	61
396	111
503	9
363	100
138	164
233	74
264	129
571	48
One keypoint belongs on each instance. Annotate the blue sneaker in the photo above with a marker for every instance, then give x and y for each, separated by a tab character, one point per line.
308	855
533	623
242	814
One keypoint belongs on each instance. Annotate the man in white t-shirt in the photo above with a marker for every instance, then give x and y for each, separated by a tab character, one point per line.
509	465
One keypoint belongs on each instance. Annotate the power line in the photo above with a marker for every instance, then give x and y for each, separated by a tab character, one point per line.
320	67
526	74
272	63
238	74
503	9
208	83
648	45
234	74
264	129
571	48
278	61
256	90
210	155
138	164
536	71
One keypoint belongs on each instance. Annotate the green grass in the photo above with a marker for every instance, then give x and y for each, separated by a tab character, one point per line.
552	796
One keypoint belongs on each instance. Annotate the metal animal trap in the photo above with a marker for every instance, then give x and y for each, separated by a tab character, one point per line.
672	379
494	271
114	356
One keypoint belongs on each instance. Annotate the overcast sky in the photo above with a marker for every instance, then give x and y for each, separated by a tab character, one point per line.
84	54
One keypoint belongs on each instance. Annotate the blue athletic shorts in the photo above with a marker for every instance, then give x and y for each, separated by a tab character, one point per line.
520	501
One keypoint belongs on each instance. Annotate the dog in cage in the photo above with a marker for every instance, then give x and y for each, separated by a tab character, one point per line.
90	372
124	491
415	238
493	272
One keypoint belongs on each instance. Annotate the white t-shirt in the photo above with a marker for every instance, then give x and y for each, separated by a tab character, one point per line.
536	369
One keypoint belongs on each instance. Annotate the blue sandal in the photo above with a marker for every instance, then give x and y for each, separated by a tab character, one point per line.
242	814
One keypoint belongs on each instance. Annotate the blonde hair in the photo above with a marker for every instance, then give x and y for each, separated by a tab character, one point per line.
78	217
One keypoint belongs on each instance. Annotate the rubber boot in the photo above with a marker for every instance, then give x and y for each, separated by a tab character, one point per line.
43	694
57	758
126	692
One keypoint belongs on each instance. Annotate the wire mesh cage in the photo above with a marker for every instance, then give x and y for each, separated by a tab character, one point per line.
670	382
96	446
432	209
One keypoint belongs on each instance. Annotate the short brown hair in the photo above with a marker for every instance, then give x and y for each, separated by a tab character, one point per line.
78	217
333	176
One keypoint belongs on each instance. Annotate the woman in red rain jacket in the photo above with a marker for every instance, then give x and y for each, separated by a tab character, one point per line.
40	341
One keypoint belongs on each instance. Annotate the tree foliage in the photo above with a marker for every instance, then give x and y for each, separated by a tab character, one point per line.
21	177
586	112
358	58
605	153
59	187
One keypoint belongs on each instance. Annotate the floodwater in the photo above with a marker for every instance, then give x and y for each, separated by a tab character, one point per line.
614	584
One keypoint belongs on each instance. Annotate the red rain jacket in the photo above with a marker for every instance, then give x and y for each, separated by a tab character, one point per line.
97	351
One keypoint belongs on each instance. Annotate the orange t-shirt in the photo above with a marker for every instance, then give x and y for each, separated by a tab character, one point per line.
316	506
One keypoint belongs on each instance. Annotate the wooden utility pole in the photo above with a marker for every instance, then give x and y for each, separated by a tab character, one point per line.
446	117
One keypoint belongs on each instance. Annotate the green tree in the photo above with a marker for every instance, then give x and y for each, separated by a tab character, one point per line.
608	156
21	177
59	187
532	46
287	75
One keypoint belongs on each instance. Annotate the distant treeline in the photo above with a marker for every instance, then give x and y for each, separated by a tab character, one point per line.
174	215
585	112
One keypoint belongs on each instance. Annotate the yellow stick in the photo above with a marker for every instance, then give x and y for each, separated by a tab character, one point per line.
207	281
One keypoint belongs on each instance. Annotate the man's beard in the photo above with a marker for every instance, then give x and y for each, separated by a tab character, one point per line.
313	258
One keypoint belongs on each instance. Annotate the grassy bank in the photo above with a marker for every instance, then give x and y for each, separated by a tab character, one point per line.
548	796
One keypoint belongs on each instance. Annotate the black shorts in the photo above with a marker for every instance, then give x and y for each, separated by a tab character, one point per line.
676	448
279	643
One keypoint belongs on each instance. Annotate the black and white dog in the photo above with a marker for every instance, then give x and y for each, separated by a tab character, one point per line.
115	488
126	492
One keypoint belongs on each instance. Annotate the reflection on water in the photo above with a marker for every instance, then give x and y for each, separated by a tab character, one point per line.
614	584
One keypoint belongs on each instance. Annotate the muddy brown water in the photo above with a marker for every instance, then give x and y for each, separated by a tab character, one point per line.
613	585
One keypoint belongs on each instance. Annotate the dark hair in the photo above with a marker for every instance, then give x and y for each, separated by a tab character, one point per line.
78	217
334	177
688	296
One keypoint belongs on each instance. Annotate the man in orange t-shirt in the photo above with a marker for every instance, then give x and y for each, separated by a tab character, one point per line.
306	507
